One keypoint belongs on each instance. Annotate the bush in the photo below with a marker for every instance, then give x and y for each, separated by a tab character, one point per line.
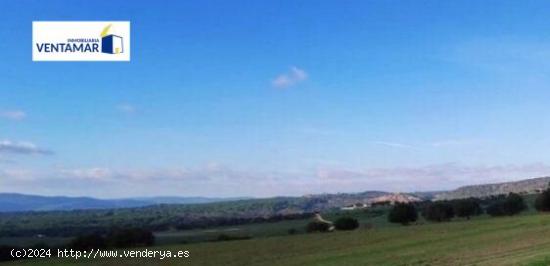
438	211
497	209
542	203
403	213
510	205
467	208
317	227
346	223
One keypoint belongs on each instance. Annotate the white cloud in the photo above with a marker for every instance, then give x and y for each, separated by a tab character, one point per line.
392	144
126	108
7	146
219	180
289	79
431	177
453	143
15	115
88	173
17	174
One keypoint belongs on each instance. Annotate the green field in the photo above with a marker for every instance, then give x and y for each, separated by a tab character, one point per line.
521	240
376	219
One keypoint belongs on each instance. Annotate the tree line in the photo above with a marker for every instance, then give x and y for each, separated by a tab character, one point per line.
441	211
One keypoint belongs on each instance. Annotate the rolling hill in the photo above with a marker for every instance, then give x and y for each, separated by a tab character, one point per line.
532	185
14	202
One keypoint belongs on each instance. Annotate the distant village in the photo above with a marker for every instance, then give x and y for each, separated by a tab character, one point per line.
390	199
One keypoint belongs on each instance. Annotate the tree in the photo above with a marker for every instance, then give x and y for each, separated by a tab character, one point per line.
510	205
346	223
542	203
438	211
403	213
515	203
316	226
467	208
496	209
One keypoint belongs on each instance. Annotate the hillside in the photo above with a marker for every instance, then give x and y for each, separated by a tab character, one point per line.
10	202
185	200
167	216
13	202
477	191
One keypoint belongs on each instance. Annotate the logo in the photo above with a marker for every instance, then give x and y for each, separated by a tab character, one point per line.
111	44
81	41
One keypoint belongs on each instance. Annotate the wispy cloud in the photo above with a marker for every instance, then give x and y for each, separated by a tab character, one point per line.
209	180
453	143
15	115
392	144
446	143
294	76
126	108
88	173
17	175
430	177
7	146
220	180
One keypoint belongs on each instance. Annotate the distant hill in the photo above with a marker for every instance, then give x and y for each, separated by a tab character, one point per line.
13	202
185	200
10	202
477	191
160	217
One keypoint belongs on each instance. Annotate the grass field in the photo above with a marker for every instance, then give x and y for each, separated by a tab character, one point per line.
521	240
261	230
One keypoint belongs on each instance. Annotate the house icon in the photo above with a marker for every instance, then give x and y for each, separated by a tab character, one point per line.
111	44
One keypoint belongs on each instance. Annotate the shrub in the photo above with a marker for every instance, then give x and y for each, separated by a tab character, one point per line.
292	231
510	205
403	213
317	227
467	208
346	223
438	211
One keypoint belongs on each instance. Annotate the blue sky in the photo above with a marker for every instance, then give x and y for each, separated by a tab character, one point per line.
263	98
